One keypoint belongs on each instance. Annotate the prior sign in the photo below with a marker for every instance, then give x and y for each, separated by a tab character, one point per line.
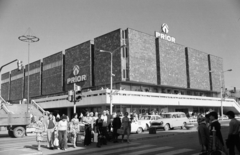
76	78
163	34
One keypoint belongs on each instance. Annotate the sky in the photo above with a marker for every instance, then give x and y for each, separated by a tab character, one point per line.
211	26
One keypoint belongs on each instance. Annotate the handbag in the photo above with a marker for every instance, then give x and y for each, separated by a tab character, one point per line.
120	131
95	137
56	142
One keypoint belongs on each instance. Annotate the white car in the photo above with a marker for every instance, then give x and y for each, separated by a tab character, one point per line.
143	123
171	120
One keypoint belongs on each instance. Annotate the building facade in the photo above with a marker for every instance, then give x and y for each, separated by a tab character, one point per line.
146	64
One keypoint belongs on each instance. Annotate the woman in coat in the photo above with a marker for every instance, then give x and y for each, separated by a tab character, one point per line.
74	128
40	127
203	133
116	125
215	125
126	126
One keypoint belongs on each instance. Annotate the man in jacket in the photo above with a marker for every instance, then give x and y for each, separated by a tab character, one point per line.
50	130
233	134
116	125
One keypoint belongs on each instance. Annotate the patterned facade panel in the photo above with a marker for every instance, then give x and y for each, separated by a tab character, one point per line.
17	83
198	69
5	90
142	57
52	74
5	84
35	79
216	66
102	63
172	67
79	55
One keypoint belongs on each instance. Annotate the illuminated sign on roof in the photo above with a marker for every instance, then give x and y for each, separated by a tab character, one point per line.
163	34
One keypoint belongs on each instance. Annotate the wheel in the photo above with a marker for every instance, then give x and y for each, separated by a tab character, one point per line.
10	133
139	130
184	124
166	127
19	132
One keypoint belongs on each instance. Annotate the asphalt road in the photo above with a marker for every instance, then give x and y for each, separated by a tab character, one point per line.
180	144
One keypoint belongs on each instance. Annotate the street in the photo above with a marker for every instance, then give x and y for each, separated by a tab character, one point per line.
182	142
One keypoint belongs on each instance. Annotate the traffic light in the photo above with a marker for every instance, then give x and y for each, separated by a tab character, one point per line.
70	96
78	95
19	65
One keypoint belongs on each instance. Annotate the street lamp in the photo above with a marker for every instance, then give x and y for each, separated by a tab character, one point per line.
111	74
29	39
221	73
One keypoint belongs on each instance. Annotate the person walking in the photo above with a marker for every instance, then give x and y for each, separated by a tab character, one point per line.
233	133
215	125
50	130
203	133
126	126
116	125
104	123
40	128
62	132
74	128
88	129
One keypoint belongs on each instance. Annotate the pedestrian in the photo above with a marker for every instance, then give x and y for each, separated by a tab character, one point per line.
58	116
88	129
215	125
126	126
233	133
50	130
105	123
74	129
116	125
203	133
40	128
62	132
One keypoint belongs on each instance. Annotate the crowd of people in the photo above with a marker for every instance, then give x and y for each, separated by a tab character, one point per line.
61	129
210	136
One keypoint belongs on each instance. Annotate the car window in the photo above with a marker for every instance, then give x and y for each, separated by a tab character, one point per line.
158	117
145	118
153	118
166	115
174	116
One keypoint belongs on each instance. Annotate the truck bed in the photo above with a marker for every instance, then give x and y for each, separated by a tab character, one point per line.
14	119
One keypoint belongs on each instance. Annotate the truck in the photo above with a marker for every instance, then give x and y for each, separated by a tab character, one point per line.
17	117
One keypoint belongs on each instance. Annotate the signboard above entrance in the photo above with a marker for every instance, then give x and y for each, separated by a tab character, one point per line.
76	78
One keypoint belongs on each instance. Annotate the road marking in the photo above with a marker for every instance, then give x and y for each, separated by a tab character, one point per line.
105	147
175	152
196	154
149	150
121	150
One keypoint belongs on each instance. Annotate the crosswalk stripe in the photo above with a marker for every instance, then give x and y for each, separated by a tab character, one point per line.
175	152
122	150
149	150
104	147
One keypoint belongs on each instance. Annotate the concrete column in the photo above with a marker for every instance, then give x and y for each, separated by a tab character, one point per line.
69	113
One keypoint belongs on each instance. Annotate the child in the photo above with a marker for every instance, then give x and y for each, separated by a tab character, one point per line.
56	141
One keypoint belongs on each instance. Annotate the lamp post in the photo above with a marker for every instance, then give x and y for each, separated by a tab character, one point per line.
29	39
221	73
111	74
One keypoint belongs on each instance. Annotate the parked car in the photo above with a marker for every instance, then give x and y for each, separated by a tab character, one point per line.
170	120
143	123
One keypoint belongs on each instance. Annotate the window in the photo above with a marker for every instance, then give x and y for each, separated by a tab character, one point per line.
126	49
123	52
124	73
127	74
